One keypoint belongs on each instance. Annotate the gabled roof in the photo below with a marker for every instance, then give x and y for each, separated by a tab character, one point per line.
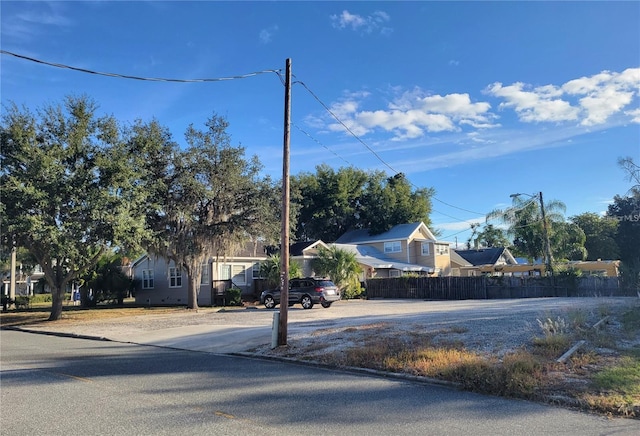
486	256
299	248
369	256
457	259
397	232
246	250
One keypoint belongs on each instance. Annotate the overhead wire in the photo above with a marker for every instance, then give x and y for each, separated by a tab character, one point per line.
125	76
243	76
321	144
304	85
517	209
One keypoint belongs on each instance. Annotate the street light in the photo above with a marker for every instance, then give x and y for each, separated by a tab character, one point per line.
545	228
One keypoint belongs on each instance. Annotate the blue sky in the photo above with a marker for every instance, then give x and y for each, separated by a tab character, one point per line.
478	100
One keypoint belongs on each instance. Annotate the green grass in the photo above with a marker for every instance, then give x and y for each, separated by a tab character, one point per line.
624	378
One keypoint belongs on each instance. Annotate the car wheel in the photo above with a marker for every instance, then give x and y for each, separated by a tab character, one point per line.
326	304
307	302
269	302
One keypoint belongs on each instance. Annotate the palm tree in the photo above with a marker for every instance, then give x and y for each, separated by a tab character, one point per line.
527	227
341	267
270	270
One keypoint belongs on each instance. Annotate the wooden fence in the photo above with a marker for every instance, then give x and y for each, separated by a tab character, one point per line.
467	288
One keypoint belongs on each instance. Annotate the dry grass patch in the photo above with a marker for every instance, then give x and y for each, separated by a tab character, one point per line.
518	374
601	377
72	315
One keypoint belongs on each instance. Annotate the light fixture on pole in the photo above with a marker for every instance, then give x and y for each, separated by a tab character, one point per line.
545	229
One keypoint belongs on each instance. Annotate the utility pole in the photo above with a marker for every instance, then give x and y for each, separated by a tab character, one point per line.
545	230
547	243
284	244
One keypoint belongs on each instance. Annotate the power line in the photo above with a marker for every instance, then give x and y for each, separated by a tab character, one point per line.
350	164
242	76
125	76
372	151
321	144
345	126
516	209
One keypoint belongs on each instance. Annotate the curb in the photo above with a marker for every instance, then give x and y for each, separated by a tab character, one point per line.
60	334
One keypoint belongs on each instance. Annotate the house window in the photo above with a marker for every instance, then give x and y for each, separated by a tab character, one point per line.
425	248
393	247
175	277
147	279
255	271
394	273
205	275
442	249
225	272
239	275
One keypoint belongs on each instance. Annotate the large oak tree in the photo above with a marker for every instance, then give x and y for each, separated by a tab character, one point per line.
330	202
65	189
206	198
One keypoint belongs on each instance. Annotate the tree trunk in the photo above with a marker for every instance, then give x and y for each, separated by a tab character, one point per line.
192	292
57	297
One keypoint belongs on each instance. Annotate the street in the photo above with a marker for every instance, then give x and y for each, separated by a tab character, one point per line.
68	386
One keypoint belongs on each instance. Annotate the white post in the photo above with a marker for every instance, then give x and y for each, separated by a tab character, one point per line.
274	329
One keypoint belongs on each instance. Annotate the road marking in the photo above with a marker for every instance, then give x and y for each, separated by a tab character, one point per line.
82	379
224	415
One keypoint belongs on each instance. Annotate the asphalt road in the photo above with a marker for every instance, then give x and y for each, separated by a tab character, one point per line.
68	386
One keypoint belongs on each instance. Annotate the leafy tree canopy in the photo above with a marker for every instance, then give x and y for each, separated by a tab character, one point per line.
331	202
525	225
567	241
106	281
65	191
600	234
207	198
490	236
626	211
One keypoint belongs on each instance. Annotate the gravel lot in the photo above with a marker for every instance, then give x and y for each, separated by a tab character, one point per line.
487	327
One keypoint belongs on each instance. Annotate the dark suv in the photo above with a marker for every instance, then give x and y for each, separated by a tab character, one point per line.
307	291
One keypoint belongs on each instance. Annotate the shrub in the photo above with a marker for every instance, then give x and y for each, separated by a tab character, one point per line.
351	291
44	298
234	297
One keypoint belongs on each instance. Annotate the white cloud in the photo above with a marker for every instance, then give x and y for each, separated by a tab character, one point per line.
460	225
366	24
409	114
634	115
605	94
413	113
602	104
589	100
535	105
267	34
